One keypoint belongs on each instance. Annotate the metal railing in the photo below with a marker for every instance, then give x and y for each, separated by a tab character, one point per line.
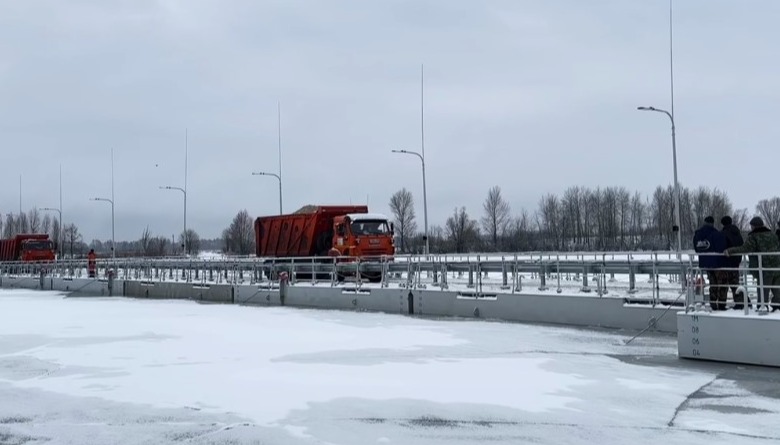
759	285
479	273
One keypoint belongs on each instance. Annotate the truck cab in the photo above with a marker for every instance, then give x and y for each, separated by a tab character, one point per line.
364	235
37	250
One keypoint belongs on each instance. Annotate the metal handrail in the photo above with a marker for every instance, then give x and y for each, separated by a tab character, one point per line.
762	290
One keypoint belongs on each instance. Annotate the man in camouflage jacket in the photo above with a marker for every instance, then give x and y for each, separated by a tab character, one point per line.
760	240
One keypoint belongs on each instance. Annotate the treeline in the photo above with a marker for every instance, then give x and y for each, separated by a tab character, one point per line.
580	219
37	221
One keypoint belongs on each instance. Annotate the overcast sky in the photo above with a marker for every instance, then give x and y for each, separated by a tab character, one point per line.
530	95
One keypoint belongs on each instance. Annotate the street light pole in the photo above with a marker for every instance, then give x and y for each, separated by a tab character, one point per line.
59	243
168	187
59	237
676	184
279	132
280	185
186	151
113	242
425	195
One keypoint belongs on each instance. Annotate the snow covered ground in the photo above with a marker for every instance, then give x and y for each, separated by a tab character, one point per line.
113	370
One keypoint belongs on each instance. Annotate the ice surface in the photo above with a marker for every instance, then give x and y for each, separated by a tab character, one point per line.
222	373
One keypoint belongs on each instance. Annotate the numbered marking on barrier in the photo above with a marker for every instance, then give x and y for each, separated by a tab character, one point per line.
695	341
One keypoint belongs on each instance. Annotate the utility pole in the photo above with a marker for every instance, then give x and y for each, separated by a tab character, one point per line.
422	146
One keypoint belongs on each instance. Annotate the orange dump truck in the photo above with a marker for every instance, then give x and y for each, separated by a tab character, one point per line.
28	248
325	231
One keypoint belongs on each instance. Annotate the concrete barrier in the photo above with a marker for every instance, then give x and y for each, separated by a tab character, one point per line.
257	295
20	282
582	310
83	287
729	337
215	293
348	298
556	309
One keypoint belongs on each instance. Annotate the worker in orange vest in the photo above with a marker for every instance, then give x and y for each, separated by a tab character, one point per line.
91	263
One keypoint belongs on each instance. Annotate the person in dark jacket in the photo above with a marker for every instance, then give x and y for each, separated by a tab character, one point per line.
709	241
760	240
733	239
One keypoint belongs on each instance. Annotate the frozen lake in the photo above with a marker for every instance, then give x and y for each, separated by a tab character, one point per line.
123	371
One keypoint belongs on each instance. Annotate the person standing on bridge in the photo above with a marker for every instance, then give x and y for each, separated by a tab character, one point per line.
761	240
91	263
733	239
709	242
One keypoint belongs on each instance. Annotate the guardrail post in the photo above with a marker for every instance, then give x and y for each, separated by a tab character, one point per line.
599	279
585	272
631	279
443	267
504	274
471	276
435	275
558	269
655	280
683	284
542	276
763	303
385	271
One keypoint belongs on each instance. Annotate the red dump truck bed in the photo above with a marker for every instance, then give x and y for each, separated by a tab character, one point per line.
304	234
11	249
8	250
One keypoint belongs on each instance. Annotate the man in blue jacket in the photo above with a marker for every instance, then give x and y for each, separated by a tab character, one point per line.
709	241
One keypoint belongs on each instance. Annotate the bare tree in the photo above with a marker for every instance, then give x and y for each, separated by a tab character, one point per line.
46	224
54	233
740	219
519	233
22	223
548	218
497	216
72	238
158	245
402	206
769	210
438	242
462	231
34	220
239	237
145	242
638	215
10	226
192	241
